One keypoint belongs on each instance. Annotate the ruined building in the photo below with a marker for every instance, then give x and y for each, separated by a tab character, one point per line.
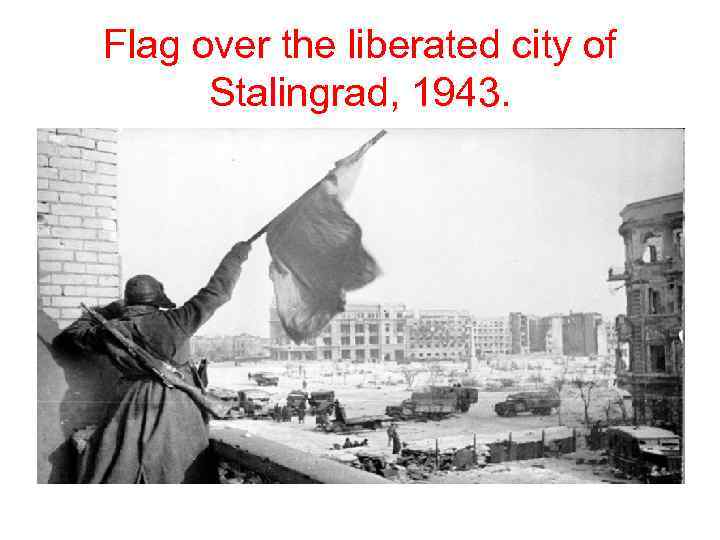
580	333
362	333
441	334
519	332
653	326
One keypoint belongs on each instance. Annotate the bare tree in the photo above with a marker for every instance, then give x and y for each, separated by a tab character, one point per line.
609	406
410	375
585	388
618	401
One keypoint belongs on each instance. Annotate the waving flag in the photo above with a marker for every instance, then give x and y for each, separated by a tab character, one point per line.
317	252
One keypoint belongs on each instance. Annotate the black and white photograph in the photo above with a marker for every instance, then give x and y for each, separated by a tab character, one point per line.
360	306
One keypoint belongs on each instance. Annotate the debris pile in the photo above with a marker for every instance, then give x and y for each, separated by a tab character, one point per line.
232	474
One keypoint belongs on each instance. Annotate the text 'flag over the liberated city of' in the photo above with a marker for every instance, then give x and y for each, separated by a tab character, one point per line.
317	252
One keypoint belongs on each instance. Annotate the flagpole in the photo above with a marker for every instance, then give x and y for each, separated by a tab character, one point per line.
356	155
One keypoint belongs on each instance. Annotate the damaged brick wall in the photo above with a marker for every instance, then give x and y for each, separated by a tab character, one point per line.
77	261
78	257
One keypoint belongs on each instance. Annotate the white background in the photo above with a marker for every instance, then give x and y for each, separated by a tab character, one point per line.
54	74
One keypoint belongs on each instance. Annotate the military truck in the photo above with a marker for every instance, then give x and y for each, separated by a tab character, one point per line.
434	402
322	401
226	402
540	402
296	400
648	453
254	402
265	379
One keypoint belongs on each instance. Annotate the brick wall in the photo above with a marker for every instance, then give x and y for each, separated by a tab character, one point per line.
78	258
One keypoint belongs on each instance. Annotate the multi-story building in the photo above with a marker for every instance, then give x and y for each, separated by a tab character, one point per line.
362	333
553	325
519	333
580	334
492	336
653	325
441	334
224	348
537	330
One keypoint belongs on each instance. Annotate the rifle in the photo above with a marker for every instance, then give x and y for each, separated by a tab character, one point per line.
162	371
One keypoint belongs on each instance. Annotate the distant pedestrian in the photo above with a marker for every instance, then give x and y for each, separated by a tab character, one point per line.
390	430
249	376
304	384
301	415
396	443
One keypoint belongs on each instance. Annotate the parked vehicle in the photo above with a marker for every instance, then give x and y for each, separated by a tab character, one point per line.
254	402
265	379
296	400
648	453
541	402
228	399
322	401
434	402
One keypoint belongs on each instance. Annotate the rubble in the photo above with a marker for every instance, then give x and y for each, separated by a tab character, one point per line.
232	474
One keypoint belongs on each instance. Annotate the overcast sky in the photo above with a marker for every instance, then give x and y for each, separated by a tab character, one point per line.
490	221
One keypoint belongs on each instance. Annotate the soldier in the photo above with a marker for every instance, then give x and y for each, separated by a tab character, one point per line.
156	434
301	412
396	444
390	430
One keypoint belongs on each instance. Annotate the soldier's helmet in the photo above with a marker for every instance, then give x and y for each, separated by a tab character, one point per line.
145	290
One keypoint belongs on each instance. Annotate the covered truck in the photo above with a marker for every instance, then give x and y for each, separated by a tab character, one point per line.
255	403
321	401
265	379
296	400
541	402
435	402
649	453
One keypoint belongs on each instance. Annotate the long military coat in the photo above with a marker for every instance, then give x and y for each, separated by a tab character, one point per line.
156	434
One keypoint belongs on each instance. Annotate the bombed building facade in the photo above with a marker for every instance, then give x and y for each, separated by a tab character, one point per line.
652	327
362	333
441	334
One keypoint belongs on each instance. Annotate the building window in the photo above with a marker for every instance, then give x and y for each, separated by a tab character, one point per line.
400	340
373	340
359	340
360	354
344	341
679	243
657	357
359	328
345	328
654	306
399	356
387	340
652	249
680	297
374	354
326	341
345	354
327	355
373	328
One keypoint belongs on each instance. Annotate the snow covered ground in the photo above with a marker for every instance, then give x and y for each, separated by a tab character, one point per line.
366	389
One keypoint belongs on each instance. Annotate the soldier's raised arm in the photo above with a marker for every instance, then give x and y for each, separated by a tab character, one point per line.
196	311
